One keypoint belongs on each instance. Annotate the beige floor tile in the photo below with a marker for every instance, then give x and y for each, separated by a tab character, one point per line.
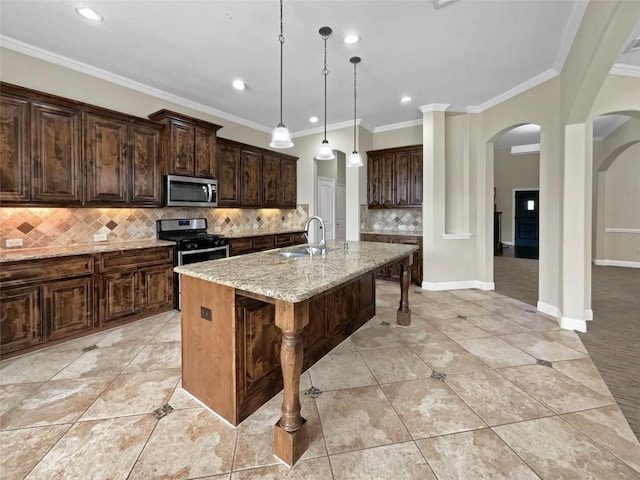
583	370
441	297
36	367
542	348
91	449
343	367
479	454
255	434
134	394
566	337
553	389
11	395
16	460
358	418
140	332
495	399
429	408
181	399
472	295
401	461
434	310
495	352
457	328
448	357
608	427
171	332
187	444
496	325
157	356
313	469
395	364
530	319
56	402
100	362
554	449
380	333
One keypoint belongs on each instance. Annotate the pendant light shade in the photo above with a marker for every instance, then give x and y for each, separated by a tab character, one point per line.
355	160
281	136
325	152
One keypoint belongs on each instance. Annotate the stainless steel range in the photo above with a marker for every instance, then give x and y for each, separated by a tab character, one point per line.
193	243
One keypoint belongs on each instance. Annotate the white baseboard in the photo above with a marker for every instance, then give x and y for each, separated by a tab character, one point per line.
550	310
464	285
616	263
588	314
573	324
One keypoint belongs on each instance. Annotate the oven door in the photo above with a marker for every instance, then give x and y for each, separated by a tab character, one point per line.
187	257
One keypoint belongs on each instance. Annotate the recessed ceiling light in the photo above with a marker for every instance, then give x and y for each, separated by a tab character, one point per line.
89	14
405	99
352	38
313	119
239	85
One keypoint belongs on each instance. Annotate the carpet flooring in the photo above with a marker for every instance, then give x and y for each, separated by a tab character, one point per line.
612	338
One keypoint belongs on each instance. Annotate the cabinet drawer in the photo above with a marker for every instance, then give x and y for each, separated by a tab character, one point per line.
261	243
284	239
27	271
238	246
135	258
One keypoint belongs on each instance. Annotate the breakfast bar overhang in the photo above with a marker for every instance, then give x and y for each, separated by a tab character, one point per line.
245	320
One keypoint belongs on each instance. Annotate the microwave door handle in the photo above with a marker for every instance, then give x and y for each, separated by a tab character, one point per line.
210	192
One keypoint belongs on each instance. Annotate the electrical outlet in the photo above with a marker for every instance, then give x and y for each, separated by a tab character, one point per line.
14	242
205	313
217	229
255	225
100	237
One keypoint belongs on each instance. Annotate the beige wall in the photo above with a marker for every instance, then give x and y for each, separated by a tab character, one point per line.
514	172
398	137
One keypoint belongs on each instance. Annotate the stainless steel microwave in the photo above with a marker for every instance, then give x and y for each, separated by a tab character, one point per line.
181	191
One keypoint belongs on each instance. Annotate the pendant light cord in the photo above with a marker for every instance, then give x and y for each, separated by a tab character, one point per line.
281	40
325	72
354	107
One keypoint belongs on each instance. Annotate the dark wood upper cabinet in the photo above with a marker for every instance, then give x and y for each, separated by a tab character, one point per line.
251	178
55	154
188	145
123	161
288	182
394	177
15	176
270	180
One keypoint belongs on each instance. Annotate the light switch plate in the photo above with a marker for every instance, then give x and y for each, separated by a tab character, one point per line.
14	242
100	237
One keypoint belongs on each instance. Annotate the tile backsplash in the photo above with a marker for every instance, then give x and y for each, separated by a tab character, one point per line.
394	219
48	227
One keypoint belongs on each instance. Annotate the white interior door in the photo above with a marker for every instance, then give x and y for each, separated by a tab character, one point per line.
326	207
341	212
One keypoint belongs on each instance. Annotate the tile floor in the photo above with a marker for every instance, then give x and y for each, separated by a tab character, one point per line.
478	387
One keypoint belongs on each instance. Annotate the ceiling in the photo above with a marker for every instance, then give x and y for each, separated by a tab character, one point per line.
469	54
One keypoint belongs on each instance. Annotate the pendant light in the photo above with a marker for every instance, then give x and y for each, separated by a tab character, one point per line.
355	160
281	136
325	152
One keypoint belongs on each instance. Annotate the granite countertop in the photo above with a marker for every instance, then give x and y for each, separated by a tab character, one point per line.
294	280
12	255
409	233
261	231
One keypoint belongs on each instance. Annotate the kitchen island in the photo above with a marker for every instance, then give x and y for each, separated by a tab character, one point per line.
246	321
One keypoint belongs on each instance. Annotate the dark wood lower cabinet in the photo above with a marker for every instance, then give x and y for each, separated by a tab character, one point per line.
242	245
52	299
333	316
393	271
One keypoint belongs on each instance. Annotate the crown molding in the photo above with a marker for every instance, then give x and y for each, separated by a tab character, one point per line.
333	126
397	126
570	33
47	56
625	70
515	91
434	107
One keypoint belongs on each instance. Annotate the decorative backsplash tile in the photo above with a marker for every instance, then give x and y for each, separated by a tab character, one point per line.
50	227
397	219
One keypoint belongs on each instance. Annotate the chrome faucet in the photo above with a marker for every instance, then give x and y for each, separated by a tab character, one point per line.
322	245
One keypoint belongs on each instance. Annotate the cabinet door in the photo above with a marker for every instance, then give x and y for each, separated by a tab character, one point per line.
288	183
416	267
145	177
250	178
270	180
258	373
374	179
68	307
180	148
366	299
387	185
383	272
314	336
205	153
119	296
228	165
156	286
15	179
55	152
106	153
402	175
415	178
340	317
20	320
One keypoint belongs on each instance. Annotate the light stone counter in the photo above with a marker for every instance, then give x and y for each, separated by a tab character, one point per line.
294	280
12	255
409	233
257	232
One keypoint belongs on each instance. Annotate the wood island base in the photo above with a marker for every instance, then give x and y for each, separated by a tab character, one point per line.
289	446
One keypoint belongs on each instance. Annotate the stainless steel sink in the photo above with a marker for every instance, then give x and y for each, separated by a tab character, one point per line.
292	254
299	252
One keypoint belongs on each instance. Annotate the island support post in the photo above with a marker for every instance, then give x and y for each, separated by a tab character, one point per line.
403	315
